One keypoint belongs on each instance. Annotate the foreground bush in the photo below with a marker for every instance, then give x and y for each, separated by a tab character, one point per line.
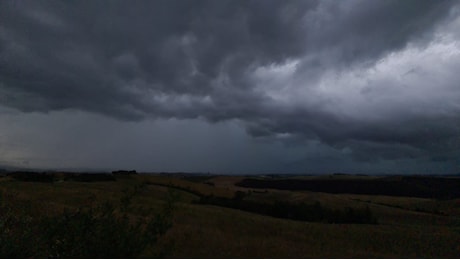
101	231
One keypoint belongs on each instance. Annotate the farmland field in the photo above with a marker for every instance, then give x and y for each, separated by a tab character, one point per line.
261	217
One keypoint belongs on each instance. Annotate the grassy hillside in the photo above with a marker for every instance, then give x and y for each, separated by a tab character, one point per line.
407	226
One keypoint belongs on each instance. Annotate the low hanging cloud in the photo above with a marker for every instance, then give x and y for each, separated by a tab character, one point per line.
379	78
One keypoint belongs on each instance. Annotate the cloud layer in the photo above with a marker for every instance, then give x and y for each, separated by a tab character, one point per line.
378	79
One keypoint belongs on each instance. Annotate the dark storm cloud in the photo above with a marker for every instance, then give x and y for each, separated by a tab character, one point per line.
129	59
278	66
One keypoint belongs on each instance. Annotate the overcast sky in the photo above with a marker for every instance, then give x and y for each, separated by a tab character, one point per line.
231	86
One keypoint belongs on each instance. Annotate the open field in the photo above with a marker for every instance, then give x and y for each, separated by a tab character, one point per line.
211	218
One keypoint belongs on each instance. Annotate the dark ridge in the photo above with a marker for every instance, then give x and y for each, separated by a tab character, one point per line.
31	176
124	172
408	186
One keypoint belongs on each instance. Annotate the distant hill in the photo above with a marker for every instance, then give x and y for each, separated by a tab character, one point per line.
124	172
401	186
29	176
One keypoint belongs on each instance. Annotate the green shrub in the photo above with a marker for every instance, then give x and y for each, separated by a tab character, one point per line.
101	231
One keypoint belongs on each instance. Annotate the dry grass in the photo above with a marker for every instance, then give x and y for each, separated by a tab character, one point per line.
201	231
200	188
207	232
